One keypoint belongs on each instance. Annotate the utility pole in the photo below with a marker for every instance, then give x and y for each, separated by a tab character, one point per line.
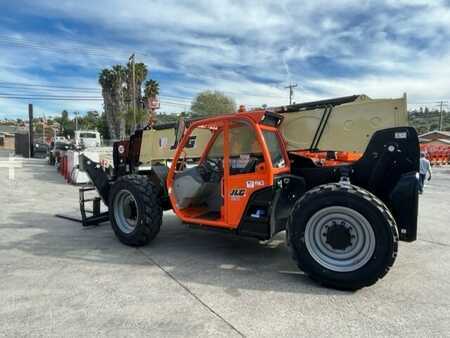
291	91
44	123
441	113
133	70
30	132
76	120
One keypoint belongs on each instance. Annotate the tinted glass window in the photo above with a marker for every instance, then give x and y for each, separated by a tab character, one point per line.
216	150
274	145
245	150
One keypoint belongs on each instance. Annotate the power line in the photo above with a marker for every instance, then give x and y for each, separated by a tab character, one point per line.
101	52
52	48
46	91
73	98
35	85
426	102
251	95
55	98
441	112
5	84
37	91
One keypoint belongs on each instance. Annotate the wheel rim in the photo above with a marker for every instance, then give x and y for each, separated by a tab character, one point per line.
340	239
126	212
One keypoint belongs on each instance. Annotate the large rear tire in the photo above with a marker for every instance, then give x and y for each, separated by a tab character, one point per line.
135	210
342	236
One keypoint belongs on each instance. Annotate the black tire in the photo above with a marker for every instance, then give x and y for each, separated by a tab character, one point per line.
382	239
147	209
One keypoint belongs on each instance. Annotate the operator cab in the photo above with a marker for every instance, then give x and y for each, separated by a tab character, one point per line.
197	186
238	158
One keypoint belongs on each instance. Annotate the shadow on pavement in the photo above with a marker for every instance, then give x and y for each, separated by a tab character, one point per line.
46	172
189	255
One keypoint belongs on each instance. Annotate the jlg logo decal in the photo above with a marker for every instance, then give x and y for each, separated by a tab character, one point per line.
236	194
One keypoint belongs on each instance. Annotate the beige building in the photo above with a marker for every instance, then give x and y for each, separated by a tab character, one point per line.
7	137
7	141
435	138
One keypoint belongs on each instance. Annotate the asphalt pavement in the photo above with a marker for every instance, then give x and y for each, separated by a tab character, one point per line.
60	279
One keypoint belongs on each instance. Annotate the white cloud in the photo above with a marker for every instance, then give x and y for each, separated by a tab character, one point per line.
248	49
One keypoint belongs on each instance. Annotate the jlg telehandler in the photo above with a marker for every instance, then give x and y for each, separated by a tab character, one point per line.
343	220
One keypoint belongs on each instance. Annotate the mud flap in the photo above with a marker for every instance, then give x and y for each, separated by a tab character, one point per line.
389	170
288	189
406	193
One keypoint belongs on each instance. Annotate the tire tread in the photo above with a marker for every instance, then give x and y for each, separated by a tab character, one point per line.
355	190
150	223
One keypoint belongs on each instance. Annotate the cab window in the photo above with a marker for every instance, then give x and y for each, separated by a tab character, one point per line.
245	150
274	145
216	150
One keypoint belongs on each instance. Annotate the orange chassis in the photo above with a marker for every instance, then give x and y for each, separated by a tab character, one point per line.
233	207
343	213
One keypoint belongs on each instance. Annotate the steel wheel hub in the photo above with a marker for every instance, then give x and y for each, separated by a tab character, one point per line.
125	211
339	239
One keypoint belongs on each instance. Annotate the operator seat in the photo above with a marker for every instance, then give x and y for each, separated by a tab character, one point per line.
199	186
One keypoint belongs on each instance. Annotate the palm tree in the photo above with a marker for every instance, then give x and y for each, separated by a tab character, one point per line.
151	91
117	91
135	90
113	82
106	80
140	73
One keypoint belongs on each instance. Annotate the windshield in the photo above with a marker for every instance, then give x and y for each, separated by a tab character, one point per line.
88	135
275	150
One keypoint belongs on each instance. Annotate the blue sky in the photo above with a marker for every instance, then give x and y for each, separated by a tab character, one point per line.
248	49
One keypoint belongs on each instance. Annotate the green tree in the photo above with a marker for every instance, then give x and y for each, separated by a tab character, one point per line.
213	103
138	116
89	120
118	91
65	115
151	89
67	125
162	118
102	127
114	92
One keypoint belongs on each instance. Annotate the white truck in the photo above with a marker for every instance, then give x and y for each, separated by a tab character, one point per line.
87	138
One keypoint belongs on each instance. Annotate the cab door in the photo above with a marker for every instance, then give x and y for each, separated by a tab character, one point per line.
247	166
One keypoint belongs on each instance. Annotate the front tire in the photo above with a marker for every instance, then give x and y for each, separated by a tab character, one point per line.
135	210
342	236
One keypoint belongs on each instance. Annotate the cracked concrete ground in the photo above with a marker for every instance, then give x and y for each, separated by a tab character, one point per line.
57	278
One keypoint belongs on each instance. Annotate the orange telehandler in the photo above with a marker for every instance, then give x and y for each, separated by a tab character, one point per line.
342	221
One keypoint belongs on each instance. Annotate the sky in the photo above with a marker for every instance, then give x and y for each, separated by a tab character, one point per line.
250	50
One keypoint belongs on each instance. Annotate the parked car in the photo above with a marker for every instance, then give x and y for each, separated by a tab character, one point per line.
41	150
56	150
